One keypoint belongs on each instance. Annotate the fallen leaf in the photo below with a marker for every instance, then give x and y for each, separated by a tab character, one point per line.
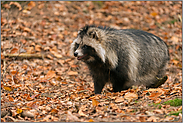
50	74
95	102
58	55
6	6
81	113
154	14
14	50
38	48
71	117
31	5
72	73
91	120
19	111
158	111
29	98
11	99
174	39
54	111
119	99
8	88
155	95
13	72
16	4
152	119
28	114
130	96
2	56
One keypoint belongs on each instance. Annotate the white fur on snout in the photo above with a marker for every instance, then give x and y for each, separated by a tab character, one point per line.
79	51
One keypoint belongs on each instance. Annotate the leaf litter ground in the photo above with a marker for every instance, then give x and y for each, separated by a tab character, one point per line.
42	82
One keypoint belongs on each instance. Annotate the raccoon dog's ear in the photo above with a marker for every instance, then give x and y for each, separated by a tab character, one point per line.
94	34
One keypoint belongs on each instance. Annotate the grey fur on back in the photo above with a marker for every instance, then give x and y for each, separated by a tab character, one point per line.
144	54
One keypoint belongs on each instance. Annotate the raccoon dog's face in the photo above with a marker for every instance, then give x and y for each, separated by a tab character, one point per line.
87	46
92	44
84	52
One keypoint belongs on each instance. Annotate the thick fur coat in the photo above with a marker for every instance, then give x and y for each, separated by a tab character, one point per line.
123	57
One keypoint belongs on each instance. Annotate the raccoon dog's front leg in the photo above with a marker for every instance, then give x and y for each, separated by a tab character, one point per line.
98	86
100	79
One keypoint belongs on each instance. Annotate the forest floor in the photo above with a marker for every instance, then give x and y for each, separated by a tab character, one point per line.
42	82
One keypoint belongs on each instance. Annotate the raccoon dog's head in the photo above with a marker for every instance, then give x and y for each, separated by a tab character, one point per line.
91	44
87	45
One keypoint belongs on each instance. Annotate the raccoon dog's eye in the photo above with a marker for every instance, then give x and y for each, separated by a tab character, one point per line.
77	45
85	46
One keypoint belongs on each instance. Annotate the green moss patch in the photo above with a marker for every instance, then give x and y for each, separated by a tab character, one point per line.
174	102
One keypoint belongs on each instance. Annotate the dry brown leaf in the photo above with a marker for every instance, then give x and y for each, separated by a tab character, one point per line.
54	111
174	39
158	100
19	110
38	48
114	106
3	21
168	119
95	102
154	14
14	50
56	54
26	29
142	118
14	113
130	96
75	34
119	99
49	56
158	111
6	6
11	99
2	56
13	72
8	88
155	95
28	114
29	98
91	120
71	117
152	119
50	74
31	5
81	113
72	73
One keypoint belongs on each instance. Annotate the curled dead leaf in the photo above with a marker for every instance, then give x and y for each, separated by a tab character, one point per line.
14	50
16	4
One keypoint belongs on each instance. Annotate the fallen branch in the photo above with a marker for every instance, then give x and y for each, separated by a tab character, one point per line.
25	55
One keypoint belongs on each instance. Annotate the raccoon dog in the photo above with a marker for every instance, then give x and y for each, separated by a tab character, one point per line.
122	57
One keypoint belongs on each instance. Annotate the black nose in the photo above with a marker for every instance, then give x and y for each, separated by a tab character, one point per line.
75	54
